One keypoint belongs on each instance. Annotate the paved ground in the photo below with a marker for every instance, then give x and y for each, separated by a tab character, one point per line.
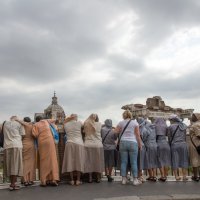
105	190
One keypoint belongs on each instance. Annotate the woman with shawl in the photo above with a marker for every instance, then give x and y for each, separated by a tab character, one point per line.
28	153
164	154
73	160
108	139
179	150
94	153
49	174
195	141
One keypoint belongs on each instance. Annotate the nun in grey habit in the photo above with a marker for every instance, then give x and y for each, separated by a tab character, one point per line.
163	150
179	149
149	139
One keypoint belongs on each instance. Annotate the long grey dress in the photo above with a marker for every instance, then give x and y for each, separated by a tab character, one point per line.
108	140
163	150
149	139
179	149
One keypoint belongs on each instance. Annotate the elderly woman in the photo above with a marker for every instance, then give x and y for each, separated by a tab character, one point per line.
129	142
94	153
49	173
164	154
108	139
179	150
73	161
149	140
28	152
194	142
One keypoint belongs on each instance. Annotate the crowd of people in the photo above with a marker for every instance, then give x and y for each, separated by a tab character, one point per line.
92	148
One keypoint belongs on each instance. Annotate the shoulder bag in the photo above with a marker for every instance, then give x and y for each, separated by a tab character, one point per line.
117	147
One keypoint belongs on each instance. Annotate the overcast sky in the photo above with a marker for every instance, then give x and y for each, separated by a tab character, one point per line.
98	55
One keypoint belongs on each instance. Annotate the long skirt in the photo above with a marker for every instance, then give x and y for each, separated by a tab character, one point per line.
94	160
29	162
14	161
180	157
151	157
74	158
164	154
194	156
109	156
48	160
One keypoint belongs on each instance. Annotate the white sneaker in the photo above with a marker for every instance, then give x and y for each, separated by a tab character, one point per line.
136	182
124	180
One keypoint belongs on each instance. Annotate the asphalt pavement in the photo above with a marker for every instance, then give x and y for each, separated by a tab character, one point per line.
109	191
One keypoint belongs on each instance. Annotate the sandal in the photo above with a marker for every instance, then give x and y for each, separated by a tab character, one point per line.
43	185
48	183
154	179
149	178
195	178
71	182
185	179
15	187
54	184
11	188
31	183
110	179
98	180
178	178
163	179
78	183
26	184
141	179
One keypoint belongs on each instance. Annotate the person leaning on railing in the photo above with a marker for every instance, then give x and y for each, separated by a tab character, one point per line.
13	132
179	150
129	144
193	145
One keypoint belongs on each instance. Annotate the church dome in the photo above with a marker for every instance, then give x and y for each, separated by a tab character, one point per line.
54	110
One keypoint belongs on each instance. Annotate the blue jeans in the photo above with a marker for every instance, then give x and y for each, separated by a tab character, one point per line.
129	148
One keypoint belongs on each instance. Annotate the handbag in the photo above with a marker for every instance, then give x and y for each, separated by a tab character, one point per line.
196	147
117	147
54	133
2	136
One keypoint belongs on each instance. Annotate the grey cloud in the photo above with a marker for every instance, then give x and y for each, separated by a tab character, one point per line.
159	19
43	42
120	64
48	42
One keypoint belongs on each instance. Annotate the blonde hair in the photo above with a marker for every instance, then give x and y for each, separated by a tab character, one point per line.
127	114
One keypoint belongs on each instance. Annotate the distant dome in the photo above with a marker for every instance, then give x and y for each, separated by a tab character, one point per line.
54	110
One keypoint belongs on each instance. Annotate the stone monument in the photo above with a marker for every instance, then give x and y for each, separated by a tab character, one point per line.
156	107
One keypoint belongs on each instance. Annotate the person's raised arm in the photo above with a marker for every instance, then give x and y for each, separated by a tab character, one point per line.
22	122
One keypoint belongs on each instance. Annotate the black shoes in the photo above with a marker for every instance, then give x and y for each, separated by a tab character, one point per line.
110	179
